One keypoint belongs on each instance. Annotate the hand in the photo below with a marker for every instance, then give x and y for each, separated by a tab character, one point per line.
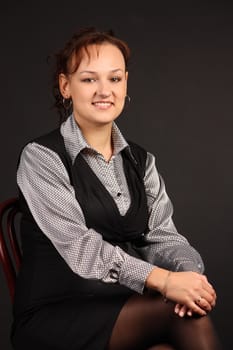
182	310
191	291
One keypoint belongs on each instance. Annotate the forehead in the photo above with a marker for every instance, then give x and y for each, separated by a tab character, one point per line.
101	56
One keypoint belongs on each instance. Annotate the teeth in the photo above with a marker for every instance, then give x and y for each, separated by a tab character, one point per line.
102	103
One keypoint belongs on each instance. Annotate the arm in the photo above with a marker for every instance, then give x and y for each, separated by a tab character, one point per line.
45	184
169	250
166	247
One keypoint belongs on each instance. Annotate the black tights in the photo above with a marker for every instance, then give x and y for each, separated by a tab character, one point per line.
148	323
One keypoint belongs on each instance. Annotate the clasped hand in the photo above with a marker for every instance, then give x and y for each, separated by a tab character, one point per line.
191	291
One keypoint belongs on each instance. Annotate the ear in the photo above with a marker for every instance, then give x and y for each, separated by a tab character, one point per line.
126	79
64	85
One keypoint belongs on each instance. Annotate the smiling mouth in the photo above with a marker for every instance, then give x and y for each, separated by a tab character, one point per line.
102	104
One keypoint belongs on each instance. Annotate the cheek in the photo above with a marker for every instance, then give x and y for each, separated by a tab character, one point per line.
80	95
122	91
125	89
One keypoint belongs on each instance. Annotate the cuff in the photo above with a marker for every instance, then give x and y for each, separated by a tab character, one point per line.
134	272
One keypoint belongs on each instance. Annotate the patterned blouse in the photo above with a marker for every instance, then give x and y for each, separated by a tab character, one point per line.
45	184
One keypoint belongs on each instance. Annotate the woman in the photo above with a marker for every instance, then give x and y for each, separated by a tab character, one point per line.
101	253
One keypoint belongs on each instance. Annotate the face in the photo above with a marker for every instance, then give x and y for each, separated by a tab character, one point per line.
98	87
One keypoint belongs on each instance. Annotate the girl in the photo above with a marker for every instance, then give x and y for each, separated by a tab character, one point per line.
101	252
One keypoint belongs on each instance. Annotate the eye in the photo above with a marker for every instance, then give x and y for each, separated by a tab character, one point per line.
116	79
89	80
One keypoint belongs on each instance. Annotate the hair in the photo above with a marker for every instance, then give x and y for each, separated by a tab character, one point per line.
68	59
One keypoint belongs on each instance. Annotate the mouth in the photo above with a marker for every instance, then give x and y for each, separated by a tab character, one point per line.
102	104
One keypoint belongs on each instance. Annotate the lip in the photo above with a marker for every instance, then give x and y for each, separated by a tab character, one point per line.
102	101
102	104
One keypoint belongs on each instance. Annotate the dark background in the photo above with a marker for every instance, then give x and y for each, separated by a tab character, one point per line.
180	84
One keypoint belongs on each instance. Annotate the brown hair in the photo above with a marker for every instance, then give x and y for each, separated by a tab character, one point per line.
67	60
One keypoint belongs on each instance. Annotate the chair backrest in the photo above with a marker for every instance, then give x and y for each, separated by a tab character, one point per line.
10	249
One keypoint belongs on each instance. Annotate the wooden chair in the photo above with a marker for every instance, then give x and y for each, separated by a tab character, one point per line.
10	250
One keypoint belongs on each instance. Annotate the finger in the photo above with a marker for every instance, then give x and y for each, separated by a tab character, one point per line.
197	309
211	291
209	298
181	310
213	302
208	295
208	288
189	313
206	280
204	304
177	308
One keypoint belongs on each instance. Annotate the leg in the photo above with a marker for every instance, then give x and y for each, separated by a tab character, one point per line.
194	333
142	323
147	323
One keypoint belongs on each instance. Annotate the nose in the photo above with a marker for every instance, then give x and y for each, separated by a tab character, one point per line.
103	89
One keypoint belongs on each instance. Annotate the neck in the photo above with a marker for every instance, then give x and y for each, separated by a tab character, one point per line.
99	138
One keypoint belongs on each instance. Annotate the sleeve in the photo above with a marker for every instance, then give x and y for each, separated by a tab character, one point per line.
45	184
165	246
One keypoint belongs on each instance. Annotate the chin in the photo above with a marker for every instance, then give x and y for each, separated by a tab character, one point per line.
107	119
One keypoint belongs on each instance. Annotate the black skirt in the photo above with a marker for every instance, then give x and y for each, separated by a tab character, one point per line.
74	323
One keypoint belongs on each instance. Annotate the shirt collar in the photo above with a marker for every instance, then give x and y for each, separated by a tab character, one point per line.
75	142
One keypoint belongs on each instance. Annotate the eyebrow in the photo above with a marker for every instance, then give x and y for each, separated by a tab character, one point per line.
93	72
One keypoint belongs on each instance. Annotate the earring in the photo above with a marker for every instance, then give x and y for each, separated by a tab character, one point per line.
128	98
67	103
127	101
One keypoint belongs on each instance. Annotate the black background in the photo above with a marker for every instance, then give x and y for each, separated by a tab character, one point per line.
180	84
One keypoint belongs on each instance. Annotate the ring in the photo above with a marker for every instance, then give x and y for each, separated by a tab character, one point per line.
198	300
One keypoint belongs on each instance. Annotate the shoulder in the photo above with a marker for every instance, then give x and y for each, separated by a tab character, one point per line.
44	140
144	156
136	147
45	149
138	152
52	140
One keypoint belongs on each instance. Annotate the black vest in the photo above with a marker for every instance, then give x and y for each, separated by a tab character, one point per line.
44	274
